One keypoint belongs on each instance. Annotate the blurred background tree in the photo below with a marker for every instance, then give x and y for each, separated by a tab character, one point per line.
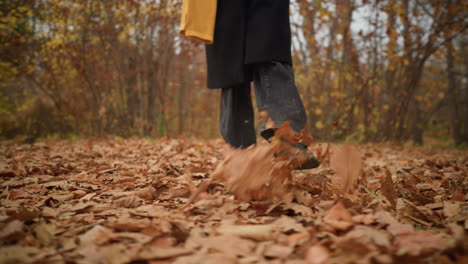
367	70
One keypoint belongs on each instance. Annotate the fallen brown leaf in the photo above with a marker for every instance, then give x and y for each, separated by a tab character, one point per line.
255	232
387	188
107	201
317	255
128	202
162	253
278	251
420	242
339	217
346	161
451	209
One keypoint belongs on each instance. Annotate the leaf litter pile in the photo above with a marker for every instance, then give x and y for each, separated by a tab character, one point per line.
195	201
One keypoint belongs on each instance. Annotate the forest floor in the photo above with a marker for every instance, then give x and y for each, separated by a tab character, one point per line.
125	201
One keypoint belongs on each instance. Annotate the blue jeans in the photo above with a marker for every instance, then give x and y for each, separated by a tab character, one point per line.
277	101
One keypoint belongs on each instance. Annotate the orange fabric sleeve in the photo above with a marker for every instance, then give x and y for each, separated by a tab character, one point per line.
198	19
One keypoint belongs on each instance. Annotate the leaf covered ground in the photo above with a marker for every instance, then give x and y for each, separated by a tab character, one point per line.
126	201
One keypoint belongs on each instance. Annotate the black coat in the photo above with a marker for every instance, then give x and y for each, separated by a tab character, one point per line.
247	32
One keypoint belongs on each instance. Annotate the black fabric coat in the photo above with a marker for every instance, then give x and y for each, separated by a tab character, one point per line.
247	32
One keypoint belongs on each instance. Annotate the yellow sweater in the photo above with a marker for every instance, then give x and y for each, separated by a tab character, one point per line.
198	19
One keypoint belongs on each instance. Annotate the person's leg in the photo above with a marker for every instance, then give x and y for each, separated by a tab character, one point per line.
237	116
277	98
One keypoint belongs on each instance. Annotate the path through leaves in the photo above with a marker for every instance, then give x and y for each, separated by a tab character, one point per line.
122	201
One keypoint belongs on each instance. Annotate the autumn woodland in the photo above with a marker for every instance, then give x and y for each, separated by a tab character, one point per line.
366	70
110	149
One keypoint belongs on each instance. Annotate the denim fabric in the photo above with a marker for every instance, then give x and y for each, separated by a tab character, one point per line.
237	116
276	93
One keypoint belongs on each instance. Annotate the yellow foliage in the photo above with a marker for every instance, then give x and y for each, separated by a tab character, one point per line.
319	125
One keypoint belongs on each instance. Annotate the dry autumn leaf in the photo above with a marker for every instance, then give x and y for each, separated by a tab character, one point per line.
338	217
128	202
317	255
346	161
420	242
94	214
255	232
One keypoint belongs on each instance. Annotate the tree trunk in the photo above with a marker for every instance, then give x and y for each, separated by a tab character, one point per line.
464	49
455	119
417	125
